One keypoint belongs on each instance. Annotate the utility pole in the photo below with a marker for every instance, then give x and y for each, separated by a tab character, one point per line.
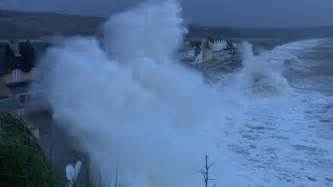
116	182
205	172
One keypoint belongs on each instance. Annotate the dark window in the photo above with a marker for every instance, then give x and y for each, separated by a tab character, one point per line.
22	99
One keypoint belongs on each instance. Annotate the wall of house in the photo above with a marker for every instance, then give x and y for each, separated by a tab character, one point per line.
23	77
4	90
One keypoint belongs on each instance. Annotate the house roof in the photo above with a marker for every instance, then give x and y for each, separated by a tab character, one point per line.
39	47
9	105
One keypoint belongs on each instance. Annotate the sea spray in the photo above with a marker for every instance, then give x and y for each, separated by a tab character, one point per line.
151	30
130	104
259	75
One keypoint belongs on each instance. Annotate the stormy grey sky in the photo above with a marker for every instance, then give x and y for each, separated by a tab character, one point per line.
241	13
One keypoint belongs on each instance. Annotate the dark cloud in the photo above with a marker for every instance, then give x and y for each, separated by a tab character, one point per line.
263	12
85	7
245	13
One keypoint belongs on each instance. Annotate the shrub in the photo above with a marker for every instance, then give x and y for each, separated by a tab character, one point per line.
22	162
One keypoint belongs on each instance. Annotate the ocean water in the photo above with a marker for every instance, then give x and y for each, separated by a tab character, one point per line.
285	139
137	111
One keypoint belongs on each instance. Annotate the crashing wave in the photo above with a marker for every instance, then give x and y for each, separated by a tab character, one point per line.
260	75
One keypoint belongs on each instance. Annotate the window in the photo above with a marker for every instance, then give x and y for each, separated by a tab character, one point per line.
16	75
20	112
22	99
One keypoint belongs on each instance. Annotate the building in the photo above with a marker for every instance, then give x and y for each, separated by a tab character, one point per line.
18	55
215	50
205	53
12	106
4	90
218	45
19	83
15	86
18	60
